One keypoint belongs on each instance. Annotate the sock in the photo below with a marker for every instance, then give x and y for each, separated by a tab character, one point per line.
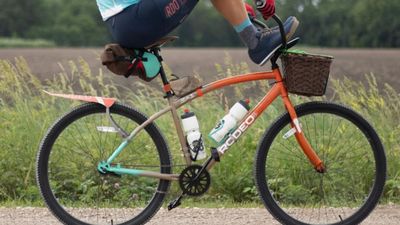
248	33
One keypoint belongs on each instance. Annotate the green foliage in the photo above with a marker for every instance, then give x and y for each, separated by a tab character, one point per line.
19	16
380	107
383	27
26	113
25	43
206	27
338	23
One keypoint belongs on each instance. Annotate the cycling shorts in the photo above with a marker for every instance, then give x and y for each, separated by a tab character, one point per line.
144	23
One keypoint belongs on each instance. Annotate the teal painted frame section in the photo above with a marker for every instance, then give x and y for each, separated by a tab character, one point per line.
117	151
105	167
120	170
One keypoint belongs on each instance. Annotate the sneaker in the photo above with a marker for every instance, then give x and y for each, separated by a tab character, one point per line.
270	40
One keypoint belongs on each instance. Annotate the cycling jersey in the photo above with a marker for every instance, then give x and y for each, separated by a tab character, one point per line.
109	8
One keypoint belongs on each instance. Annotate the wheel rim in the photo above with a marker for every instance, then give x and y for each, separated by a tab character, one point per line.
314	198
78	187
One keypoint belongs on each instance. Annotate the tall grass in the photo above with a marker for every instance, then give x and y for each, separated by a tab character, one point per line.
26	113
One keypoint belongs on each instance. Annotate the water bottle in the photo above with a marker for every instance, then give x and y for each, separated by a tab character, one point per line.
230	121
194	138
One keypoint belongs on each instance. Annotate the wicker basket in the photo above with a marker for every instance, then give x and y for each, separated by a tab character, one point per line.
306	74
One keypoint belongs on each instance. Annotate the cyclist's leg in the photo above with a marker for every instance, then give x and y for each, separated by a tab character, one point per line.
147	21
235	13
233	10
260	44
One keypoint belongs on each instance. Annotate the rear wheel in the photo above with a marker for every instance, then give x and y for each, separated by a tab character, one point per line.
355	164
67	175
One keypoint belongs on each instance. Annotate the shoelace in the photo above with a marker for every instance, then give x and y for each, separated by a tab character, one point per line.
265	32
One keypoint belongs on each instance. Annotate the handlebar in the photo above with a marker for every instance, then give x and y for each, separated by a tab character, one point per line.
281	29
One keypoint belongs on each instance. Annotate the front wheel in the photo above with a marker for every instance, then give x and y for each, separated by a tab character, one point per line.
67	175
353	156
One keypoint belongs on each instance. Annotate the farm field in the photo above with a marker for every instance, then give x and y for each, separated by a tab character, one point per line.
354	63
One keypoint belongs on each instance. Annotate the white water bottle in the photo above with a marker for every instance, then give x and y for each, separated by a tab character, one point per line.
194	138
230	121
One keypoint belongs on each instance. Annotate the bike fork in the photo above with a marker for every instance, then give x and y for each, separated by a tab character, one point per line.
301	139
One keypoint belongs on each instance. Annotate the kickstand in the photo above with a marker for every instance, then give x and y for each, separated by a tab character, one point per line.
175	203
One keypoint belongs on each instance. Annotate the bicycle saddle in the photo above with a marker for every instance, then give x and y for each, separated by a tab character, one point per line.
162	41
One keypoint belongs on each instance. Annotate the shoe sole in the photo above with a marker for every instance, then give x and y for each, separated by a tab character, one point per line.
289	35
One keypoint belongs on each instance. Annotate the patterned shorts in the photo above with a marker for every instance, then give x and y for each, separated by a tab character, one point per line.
143	23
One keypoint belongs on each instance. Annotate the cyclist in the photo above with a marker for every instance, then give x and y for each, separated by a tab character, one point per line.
139	23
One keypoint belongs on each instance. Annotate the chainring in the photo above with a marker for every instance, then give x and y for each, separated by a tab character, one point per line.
193	187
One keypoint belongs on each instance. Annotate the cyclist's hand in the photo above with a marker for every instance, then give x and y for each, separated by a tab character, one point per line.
266	8
250	10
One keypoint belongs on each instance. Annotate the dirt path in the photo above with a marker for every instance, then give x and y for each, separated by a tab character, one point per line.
383	215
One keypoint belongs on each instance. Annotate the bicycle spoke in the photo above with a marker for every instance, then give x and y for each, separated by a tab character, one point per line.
76	184
307	195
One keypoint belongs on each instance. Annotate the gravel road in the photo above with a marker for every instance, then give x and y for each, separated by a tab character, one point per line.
383	215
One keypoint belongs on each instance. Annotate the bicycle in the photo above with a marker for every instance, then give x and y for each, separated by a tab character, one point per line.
303	164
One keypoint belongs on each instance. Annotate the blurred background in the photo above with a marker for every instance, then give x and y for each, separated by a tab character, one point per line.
362	35
333	23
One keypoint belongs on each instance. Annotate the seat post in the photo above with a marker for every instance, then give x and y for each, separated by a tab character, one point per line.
164	79
156	52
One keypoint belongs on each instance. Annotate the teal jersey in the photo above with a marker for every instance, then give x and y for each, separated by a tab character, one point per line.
109	8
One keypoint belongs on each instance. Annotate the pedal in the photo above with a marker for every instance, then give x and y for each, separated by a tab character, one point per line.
175	203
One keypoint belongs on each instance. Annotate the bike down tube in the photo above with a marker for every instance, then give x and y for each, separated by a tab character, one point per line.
270	97
275	91
270	75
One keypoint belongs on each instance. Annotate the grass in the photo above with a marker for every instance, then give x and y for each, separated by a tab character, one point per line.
26	113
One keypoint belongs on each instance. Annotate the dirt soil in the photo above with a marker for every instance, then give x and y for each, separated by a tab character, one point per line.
354	63
383	215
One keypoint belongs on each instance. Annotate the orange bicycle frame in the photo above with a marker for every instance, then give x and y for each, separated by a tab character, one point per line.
278	89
